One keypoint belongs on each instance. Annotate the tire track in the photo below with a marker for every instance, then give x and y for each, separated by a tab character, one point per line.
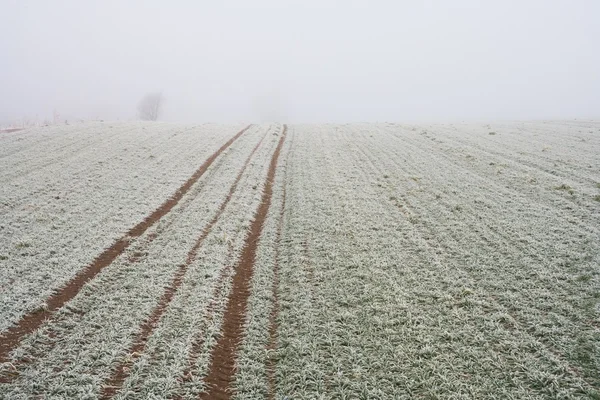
135	254
273	326
212	311
222	366
139	253
115	382
31	321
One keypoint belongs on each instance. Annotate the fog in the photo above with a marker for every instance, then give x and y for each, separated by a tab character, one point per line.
301	61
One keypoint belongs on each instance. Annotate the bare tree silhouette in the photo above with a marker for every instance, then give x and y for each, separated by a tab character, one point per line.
150	106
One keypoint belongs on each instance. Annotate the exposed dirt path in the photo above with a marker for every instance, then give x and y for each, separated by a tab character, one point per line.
222	367
11	338
111	387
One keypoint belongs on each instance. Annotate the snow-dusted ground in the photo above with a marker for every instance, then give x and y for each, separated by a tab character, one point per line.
430	261
68	192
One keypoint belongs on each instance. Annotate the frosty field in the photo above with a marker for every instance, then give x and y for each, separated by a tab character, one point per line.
379	261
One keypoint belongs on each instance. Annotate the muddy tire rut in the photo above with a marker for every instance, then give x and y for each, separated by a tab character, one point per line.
111	387
223	358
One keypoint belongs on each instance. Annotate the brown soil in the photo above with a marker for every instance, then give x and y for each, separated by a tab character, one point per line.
222	368
11	338
122	371
273	326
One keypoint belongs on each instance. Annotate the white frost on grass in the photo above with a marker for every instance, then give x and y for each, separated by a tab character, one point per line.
158	373
435	261
68	192
427	275
76	351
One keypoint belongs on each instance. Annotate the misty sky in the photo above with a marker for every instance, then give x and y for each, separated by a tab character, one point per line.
301	61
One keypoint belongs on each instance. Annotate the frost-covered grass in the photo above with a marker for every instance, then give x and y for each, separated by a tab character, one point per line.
68	192
195	314
75	352
433	261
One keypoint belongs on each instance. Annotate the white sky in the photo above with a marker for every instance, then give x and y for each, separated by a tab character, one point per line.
301	61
